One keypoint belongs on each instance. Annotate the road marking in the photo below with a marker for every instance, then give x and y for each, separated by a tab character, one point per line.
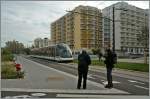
101	77
136	81
114	82
90	76
104	91
141	87
21	96
75	77
79	96
38	94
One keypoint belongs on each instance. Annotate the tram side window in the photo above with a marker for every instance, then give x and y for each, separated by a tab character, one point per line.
53	51
57	51
48	52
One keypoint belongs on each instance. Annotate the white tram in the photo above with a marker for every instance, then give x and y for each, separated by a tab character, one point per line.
59	52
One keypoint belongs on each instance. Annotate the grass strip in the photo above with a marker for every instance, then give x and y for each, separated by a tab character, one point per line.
123	65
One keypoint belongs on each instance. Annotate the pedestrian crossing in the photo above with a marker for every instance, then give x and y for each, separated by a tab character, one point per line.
87	91
56	93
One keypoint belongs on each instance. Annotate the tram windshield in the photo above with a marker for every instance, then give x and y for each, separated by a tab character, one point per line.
63	52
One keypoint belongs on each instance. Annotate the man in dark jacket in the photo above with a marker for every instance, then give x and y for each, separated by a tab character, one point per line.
109	61
83	62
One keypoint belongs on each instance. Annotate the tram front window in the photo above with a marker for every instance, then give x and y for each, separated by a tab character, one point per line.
63	52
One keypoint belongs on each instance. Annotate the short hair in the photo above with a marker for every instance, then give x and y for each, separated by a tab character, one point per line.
84	51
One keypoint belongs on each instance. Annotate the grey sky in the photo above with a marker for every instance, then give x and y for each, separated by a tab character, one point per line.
26	20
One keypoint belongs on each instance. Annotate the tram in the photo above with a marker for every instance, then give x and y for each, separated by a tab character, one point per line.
59	52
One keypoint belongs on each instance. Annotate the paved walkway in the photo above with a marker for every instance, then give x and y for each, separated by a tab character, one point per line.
49	80
39	76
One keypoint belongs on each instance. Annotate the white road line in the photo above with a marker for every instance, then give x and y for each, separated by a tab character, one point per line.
90	76
75	96
20	96
105	91
79	96
38	94
114	82
141	87
101	77
132	81
73	76
136	82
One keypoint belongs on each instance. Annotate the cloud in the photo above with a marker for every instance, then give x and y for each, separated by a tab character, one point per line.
26	20
140	4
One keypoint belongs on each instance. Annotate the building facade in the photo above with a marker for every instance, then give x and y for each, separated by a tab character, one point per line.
45	42
79	28
129	20
39	42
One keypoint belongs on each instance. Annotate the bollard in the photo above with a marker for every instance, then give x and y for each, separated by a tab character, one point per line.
18	69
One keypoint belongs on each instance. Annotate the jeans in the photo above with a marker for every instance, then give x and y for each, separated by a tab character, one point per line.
82	74
109	76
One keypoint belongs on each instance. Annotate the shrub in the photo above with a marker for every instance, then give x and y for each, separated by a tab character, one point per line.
7	55
9	71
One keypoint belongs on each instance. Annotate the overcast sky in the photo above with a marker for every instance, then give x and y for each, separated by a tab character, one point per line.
26	20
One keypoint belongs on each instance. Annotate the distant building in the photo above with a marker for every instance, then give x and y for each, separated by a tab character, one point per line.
39	42
45	41
80	28
128	24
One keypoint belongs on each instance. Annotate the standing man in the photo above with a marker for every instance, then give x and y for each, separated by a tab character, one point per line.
110	60
83	64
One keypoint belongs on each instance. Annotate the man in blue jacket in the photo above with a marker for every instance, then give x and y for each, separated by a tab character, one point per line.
83	64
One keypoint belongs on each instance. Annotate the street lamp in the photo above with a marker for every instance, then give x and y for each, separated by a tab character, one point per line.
114	26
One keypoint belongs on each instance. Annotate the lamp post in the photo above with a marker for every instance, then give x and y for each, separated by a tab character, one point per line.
113	48
113	29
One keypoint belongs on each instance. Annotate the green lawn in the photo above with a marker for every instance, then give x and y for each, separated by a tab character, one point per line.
124	65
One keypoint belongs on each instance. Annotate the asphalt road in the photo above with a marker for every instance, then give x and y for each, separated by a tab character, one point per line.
124	83
132	86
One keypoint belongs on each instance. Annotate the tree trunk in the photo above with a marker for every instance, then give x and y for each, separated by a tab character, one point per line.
145	56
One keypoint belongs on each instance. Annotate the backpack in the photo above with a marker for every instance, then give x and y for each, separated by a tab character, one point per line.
114	58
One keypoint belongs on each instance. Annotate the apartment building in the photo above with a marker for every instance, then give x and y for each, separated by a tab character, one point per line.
39	42
79	28
45	42
129	20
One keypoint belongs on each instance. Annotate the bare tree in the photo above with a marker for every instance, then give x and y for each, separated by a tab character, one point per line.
14	46
143	38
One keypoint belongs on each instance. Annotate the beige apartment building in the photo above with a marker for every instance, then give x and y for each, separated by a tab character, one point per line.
79	28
